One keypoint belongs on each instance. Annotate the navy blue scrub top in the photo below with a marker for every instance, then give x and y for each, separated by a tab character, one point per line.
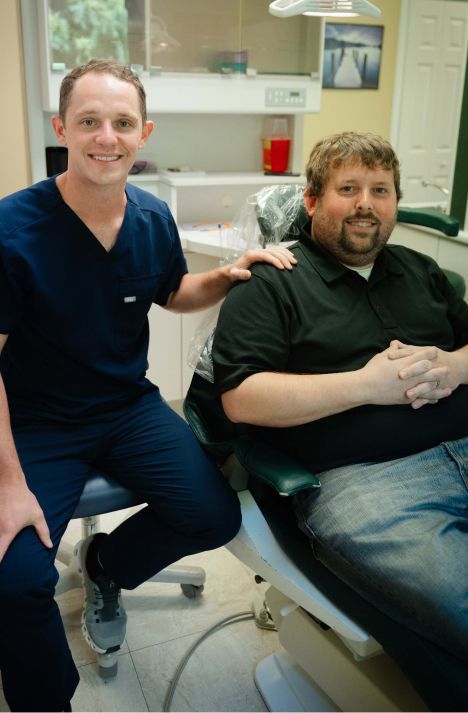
76	315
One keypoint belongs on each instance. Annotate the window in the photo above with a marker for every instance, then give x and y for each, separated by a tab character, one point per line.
82	29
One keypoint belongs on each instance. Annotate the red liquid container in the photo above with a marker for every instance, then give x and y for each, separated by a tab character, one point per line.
276	154
276	142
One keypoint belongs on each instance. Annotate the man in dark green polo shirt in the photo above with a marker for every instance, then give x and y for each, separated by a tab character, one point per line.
357	364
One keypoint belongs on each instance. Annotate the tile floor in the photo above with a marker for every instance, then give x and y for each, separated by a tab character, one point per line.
162	625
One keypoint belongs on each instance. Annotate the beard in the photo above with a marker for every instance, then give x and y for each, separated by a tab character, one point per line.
351	246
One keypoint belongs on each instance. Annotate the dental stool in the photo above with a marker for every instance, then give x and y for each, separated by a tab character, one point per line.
102	495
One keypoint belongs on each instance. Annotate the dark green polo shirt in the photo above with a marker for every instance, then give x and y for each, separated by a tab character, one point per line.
322	317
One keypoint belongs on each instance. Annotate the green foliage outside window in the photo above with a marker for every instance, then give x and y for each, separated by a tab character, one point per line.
82	29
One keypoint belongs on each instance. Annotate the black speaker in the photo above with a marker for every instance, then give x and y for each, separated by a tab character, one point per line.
56	159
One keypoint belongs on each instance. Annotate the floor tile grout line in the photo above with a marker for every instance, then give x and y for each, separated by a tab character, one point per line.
175	638
139	682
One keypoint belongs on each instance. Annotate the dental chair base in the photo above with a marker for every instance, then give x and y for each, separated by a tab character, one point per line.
326	662
313	662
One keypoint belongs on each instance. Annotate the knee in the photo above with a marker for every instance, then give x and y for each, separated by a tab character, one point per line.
222	522
27	579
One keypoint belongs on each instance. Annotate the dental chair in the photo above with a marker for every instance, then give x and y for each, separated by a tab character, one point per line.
337	651
327	660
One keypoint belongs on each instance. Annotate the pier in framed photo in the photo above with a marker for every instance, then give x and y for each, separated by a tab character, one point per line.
352	56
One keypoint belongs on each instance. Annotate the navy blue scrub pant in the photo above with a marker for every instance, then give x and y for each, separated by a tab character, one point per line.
149	449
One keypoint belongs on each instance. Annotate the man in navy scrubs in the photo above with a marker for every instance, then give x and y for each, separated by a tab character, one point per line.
83	256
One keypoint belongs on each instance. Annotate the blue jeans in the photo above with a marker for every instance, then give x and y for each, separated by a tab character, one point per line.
191	508
397	533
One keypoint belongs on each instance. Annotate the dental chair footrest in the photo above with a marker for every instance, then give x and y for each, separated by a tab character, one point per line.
284	686
374	683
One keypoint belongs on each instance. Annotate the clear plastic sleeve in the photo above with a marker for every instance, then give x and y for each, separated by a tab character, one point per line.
267	217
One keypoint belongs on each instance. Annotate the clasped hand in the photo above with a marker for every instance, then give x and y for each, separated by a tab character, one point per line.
408	374
429	367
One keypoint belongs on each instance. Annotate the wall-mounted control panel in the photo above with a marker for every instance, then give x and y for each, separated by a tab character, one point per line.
280	96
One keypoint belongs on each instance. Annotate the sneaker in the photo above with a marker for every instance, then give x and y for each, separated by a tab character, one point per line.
104	620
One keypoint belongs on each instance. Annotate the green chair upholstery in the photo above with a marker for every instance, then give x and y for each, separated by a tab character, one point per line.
430	218
457	282
221	438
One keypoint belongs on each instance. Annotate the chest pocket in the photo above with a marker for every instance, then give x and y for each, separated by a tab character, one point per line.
136	295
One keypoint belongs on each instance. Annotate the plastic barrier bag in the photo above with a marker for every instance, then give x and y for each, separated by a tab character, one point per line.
266	218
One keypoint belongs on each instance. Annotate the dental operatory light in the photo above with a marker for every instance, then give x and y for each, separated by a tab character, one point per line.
332	8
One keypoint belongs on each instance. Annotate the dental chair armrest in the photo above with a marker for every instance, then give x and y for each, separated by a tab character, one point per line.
431	218
273	467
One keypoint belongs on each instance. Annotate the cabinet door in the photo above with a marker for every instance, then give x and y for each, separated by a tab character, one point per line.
164	354
194	56
228	37
171	338
415	239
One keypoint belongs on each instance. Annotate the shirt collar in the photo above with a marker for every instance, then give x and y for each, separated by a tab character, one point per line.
330	269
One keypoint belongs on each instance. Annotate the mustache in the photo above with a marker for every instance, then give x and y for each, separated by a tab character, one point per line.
364	216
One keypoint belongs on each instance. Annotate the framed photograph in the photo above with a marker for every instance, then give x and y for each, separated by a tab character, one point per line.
352	56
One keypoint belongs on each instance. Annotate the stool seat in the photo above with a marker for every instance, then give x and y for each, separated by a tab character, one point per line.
102	494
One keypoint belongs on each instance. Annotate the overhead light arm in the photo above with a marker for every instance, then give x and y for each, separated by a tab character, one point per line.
332	8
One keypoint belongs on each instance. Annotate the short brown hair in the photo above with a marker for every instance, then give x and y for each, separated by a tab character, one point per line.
332	151
106	66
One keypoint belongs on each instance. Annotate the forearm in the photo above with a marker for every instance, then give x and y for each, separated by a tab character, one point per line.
284	400
200	290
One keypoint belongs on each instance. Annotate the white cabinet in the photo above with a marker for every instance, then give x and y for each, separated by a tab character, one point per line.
164	354
411	237
170	337
205	120
146	181
197	56
214	197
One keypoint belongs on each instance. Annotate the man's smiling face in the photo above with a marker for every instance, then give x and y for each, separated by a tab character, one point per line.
355	214
103	129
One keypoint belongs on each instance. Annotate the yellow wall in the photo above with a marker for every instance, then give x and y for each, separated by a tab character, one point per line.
360	109
14	166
